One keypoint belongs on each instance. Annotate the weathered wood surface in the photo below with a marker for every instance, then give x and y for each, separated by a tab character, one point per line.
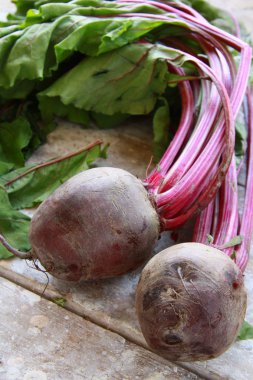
110	303
40	340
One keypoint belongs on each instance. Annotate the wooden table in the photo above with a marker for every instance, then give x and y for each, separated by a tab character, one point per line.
96	334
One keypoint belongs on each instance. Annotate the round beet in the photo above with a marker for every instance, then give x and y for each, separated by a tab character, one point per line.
100	223
190	302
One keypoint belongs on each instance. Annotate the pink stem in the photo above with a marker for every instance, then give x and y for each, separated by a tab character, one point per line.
155	177
207	195
203	224
229	39
227	226
210	33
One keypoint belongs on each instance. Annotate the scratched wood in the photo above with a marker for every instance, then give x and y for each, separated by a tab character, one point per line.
110	303
44	341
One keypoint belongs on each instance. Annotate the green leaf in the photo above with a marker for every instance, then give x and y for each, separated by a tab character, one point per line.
161	123
14	137
37	185
23	6
236	240
20	91
246	331
233	255
6	44
27	57
126	80
59	301
56	108
14	226
108	121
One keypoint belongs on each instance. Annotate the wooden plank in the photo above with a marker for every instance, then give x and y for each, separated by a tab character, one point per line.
110	304
40	340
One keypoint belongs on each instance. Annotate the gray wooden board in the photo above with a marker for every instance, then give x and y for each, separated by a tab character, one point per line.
40	340
110	303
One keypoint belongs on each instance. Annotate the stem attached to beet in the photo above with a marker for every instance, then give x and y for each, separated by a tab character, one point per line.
178	175
206	196
21	255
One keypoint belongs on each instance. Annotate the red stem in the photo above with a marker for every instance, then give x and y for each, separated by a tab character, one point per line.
157	175
216	181
212	40
22	255
54	161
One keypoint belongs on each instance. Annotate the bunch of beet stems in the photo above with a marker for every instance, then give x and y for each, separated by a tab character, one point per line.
221	219
198	157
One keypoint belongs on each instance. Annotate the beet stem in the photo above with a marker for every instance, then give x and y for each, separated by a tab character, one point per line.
231	83
54	161
22	255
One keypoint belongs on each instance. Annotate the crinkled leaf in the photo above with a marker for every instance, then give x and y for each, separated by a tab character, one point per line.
97	36
37	49
6	44
37	185
8	29
246	331
14	137
27	57
14	226
23	6
126	80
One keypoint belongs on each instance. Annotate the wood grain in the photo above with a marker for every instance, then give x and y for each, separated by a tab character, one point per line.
40	340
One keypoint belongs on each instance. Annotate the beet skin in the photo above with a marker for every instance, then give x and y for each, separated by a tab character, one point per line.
190	302
100	223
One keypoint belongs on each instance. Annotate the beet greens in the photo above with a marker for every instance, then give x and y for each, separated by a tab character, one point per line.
134	46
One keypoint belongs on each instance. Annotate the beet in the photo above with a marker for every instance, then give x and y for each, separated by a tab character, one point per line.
100	223
190	302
